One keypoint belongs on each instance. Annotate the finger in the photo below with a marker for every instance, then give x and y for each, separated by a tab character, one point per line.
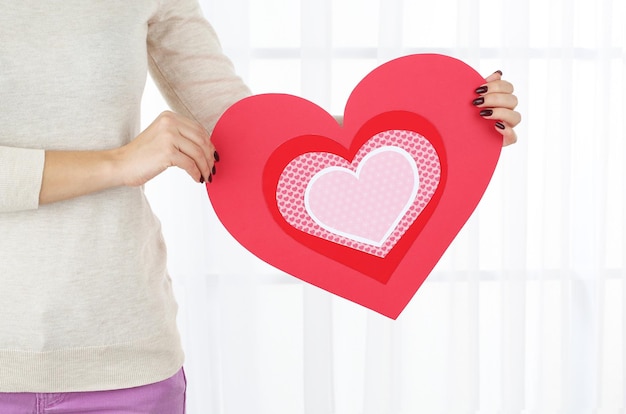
196	133
188	128
512	118
191	138
496	86
197	155
508	133
183	161
496	100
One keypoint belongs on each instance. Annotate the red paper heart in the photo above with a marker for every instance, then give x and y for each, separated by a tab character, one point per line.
261	136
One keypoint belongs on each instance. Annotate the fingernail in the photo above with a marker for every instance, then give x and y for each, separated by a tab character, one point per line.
482	89
486	112
201	180
213	170
498	71
500	125
479	101
210	178
216	156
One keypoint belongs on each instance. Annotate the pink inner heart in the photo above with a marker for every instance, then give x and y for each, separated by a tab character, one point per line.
366	205
389	212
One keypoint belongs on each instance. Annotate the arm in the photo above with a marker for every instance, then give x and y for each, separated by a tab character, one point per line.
69	174
188	65
171	140
198	81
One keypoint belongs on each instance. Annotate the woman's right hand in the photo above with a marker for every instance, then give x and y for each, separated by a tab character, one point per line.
171	140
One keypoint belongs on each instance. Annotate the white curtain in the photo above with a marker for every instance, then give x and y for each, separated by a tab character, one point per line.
525	312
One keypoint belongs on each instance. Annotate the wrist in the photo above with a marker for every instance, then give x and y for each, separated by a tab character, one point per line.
69	174
115	163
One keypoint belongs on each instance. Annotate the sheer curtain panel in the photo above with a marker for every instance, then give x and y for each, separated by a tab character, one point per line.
525	312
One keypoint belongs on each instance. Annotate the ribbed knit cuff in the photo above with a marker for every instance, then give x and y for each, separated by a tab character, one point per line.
21	173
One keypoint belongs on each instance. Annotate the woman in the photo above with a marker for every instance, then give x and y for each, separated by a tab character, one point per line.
87	311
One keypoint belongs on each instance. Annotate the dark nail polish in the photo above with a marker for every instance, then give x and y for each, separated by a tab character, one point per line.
210	178
500	125
213	170
482	90
479	101
201	180
486	112
498	71
216	156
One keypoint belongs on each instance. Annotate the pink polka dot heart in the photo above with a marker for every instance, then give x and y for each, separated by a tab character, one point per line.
367	204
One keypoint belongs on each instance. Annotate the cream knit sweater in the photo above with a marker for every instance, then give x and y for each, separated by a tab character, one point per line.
85	298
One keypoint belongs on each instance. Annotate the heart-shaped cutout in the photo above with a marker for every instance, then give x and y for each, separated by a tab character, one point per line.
369	214
283	156
365	205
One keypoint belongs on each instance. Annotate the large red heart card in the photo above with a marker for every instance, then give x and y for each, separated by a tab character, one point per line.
364	210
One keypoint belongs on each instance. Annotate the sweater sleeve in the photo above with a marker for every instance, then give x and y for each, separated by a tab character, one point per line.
21	172
188	65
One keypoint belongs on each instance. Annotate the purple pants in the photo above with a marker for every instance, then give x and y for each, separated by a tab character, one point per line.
165	397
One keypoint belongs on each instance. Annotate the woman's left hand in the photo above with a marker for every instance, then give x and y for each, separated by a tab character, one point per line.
497	102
